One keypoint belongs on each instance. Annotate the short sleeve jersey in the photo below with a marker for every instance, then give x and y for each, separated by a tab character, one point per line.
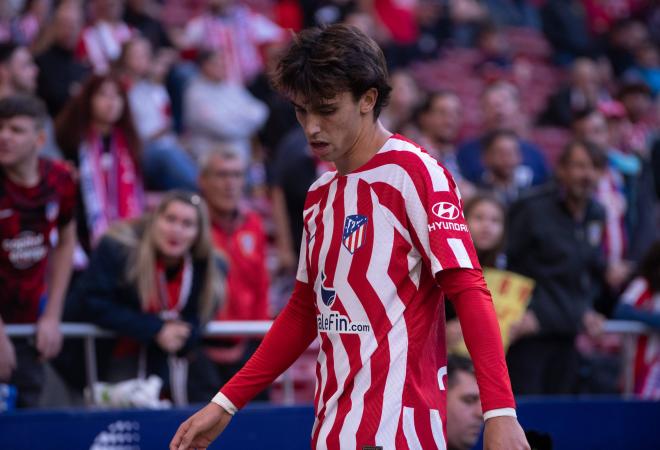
373	242
29	221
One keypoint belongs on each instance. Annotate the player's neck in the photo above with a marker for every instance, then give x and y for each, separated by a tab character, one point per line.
365	147
25	173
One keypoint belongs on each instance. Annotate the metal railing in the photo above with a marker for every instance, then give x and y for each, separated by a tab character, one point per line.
89	333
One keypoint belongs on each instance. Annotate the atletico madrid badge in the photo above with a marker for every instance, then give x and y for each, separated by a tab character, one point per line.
355	230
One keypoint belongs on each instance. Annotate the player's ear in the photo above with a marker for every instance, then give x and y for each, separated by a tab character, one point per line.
368	101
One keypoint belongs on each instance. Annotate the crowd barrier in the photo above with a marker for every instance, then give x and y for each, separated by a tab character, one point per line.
572	424
89	333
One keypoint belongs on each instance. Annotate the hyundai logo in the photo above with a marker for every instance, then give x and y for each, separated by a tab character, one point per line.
446	210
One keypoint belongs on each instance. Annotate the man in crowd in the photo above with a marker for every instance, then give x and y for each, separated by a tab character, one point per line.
555	238
37	233
464	417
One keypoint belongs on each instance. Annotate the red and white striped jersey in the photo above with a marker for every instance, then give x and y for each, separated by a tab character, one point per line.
647	355
373	242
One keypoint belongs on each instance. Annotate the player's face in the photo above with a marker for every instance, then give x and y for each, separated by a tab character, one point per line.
20	140
464	419
175	229
222	183
486	223
107	104
333	128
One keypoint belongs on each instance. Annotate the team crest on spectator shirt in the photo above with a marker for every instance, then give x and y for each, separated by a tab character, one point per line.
355	230
52	210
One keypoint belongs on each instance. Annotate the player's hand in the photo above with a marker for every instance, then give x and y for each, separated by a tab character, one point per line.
49	337
201	429
173	336
504	433
7	357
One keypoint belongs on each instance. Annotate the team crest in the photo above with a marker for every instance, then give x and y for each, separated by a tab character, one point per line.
355	230
52	210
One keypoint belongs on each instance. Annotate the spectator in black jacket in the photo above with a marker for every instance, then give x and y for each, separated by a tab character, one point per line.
154	282
556	239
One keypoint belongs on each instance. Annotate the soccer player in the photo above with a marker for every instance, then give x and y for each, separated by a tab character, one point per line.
37	237
384	242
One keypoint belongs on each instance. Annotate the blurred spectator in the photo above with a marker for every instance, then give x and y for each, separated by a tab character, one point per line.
602	15
584	91
464	416
23	27
495	56
636	98
555	238
100	42
60	73
235	34
641	302
18	73
95	131
218	109
142	16
404	98
166	164
501	110
625	189
435	27
37	203
504	174
513	13
439	120
647	67
238	233
155	283
624	39
565	26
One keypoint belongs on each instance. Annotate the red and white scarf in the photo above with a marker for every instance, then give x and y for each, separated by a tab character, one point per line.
109	182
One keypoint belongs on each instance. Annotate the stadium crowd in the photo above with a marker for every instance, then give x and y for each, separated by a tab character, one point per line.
137	135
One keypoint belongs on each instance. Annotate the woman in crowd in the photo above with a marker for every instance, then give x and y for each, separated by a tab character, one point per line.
155	282
166	164
641	302
95	132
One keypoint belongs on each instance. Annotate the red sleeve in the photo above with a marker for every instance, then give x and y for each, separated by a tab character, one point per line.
467	290
291	333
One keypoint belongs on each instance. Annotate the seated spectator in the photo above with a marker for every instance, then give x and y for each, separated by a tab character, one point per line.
555	238
585	90
96	133
217	109
31	21
155	283
100	42
233	32
641	302
60	73
37	226
403	100
166	164
18	75
513	13
624	38
504	174
636	98
647	67
564	24
238	233
464	417
496	59
142	15
501	110
439	119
